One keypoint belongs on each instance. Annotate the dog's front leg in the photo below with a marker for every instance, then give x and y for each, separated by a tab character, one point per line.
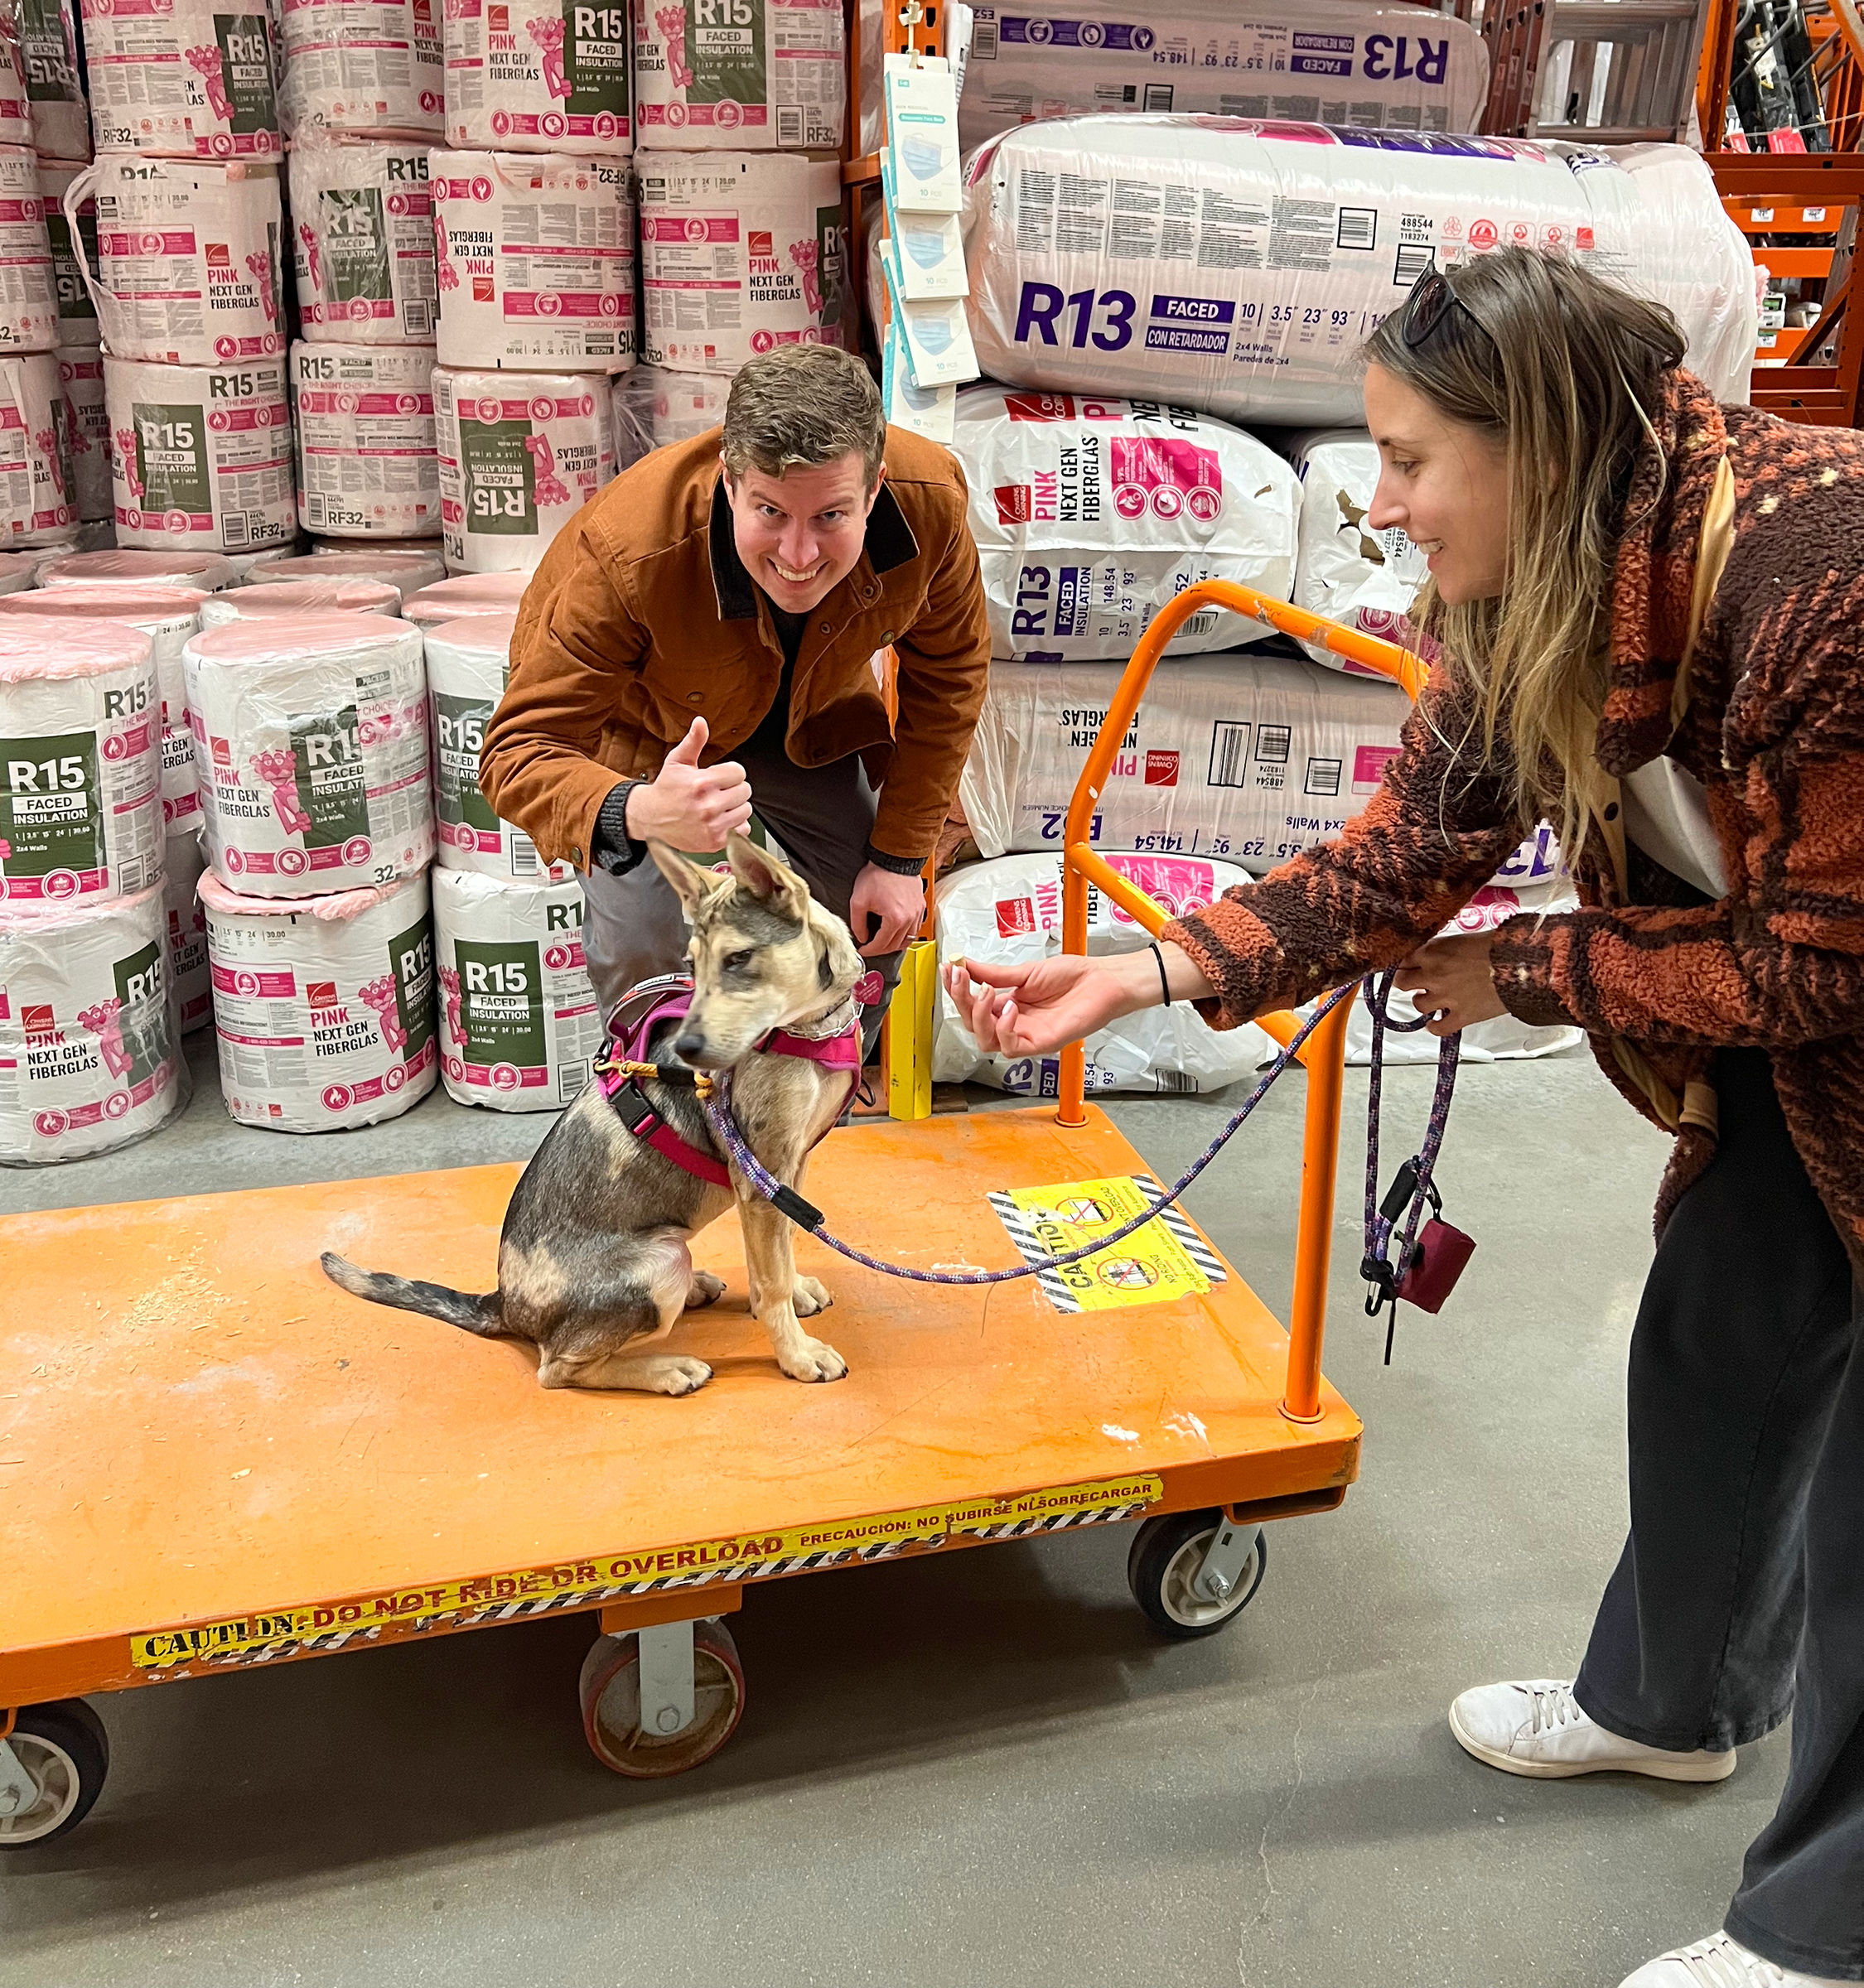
772	1268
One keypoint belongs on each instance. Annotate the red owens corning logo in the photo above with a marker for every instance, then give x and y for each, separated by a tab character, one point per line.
1161	769
1015	914
1014	504
760	243
1039	407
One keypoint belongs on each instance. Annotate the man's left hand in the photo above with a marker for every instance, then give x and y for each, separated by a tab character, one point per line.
898	902
1453	981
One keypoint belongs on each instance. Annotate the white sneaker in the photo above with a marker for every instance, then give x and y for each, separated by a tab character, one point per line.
1535	1727
1720	1962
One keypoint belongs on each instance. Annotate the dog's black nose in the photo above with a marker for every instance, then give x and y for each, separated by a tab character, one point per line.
688	1047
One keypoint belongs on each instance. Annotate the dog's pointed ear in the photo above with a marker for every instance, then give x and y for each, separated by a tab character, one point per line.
693	883
764	876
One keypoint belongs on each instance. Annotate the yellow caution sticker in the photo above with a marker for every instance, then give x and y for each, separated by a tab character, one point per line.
1165	1259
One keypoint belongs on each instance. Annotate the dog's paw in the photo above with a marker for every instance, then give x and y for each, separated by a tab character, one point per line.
811	1296
705	1288
812	1360
677	1374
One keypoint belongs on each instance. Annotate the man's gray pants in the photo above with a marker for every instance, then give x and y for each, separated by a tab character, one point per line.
633	927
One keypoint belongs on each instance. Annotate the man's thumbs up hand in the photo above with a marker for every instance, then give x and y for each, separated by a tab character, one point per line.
692	807
687	752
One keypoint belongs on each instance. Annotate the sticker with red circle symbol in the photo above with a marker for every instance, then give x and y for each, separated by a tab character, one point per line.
234	862
1167	502
50	1125
586	407
431	100
554	124
727	114
501	124
1129	500
115	746
1126	1273
676	114
224	348
761	341
408	403
272	342
1483	235
246	981
611	304
370	732
148	245
178	521
1203	504
453	1067
556	958
133	518
347	403
1520	232
217	421
222	145
481	187
543	407
116	1105
548	303
1552	235
395	1077
59	884
292	862
504	1078
490	408
357	849
607	125
338	1096
695	231
361	309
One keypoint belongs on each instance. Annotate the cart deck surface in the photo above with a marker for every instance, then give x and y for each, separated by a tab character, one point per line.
210	1454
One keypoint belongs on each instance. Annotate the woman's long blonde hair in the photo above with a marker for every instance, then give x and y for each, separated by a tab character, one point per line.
1565	371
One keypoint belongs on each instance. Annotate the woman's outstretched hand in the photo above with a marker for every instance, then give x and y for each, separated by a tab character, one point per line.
1453	981
1030	1010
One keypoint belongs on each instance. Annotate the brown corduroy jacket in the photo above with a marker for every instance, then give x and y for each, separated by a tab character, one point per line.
642	617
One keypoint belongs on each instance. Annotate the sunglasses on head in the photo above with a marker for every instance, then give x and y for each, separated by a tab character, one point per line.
1431	300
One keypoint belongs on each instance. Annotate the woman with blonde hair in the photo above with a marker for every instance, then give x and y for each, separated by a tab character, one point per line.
1650	611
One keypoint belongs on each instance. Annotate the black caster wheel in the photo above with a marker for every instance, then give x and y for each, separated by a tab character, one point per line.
1162	1570
67	1753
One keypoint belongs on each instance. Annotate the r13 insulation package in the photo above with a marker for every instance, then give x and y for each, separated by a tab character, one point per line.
519	1021
362	240
367	464
465	594
468	663
80	375
38	470
80	746
758	75
74	253
1345	570
55	90
312	741
188	258
183	78
360	65
184	860
28	300
1313	62
1008	912
739	253
1091	514
323	1009
654	406
203	455
536	260
520	454
90	1057
204	571
409	567
545	76
292	597
1240	267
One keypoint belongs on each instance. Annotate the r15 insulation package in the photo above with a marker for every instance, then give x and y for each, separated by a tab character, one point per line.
38	473
654	406
310	736
203	455
168	615
55	90
539	75
465	594
755	74
1240	267
1313	62
74	252
1008	912
289	598
184	861
536	260
361	66
409	567
1091	514
468	663
323	1009
183	78
519	1021
89	1051
80	376
520	454
1345	570
80	756
206	572
739	253
1250	759
362	240
187	258
367	466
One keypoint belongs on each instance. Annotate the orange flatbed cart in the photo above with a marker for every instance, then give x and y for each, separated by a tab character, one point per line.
211	1457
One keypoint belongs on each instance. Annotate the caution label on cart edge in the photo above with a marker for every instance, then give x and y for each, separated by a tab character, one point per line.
329	1626
1164	1259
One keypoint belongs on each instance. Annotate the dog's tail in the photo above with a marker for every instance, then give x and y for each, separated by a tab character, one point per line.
482	1313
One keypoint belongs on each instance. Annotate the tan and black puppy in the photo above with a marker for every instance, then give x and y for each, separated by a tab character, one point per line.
593	1266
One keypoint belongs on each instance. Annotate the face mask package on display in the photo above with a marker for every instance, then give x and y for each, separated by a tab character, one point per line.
202	455
1091	514
739	253
367	464
290	597
323	1009
928	411
924	257
28	303
361	66
38	475
466	594
920	157
757	75
535	257
311	739
187	258
54	93
518	1021
362	241
520	454
653	406
90	1041
81	811
1240	267
74	253
188	973
956	19
409	567
548	75
87	423
204	571
936	338
182	78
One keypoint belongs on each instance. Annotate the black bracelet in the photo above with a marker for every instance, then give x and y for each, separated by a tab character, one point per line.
1164	984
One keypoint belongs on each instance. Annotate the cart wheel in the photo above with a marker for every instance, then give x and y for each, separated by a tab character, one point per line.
1163	1565
610	1688
63	1748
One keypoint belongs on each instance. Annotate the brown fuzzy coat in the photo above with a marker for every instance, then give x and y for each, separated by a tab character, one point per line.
1775	731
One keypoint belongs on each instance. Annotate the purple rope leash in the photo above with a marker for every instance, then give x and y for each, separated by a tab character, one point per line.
725	1131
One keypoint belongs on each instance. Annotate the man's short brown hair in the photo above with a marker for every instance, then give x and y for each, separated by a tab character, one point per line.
800	406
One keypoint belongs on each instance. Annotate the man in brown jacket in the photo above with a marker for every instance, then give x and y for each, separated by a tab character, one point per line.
701	640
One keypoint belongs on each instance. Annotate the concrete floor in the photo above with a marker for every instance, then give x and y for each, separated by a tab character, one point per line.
982	1768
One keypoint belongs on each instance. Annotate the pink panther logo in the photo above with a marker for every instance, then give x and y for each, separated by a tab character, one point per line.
803	255
207	61
308	236
260	266
277	770
450	988
549	488
549	35
104	1022
671	21
380	995
445	274
46	442
126	457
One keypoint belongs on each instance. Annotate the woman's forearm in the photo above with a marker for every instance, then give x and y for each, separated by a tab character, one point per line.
1137	975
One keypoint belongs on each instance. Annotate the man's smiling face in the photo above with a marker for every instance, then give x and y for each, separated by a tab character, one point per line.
801	532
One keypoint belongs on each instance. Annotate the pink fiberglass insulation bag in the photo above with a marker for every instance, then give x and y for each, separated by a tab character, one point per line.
755	74
186	860
1092	512
1363	578
409	567
367	463
323	1009
535	260
520	454
74	253
654	406
81	378
292	597
181	77
361	66
168	615
187	258
539	75
28	299
362	240
466	594
81	762
1238	266
518	1020
310	736
38	470
90	1055
205	572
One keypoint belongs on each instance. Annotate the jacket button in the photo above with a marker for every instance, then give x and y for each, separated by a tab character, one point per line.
886	637
825	628
575	855
695	697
